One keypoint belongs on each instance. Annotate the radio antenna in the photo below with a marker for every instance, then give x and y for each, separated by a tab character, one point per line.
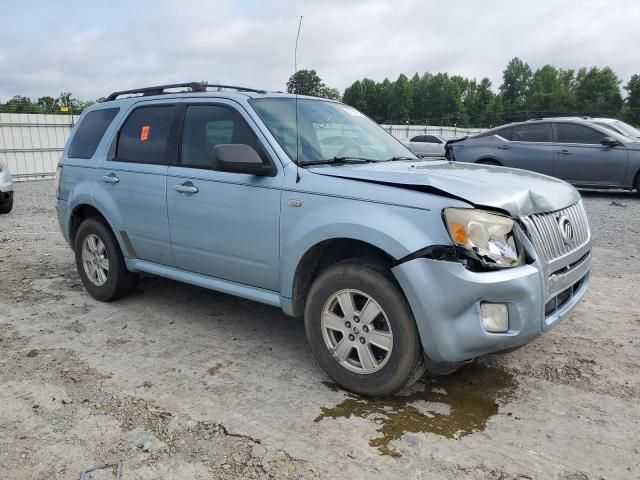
295	71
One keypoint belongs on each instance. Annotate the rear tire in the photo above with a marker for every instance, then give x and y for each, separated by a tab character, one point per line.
7	205
100	262
376	315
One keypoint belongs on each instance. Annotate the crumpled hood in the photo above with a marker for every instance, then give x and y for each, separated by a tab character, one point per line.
518	192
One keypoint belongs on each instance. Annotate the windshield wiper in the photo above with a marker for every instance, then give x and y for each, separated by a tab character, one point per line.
395	159
339	160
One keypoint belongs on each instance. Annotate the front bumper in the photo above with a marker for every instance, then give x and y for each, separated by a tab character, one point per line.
445	299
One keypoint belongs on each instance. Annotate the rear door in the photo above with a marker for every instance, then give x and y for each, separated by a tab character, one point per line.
528	146
225	225
580	158
133	179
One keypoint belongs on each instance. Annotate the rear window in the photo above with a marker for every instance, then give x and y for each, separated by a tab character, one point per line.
90	131
534	132
145	134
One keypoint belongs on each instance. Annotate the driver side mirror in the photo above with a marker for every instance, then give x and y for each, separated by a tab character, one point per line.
609	142
239	158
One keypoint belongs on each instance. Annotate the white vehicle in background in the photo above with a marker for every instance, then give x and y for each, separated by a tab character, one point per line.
6	189
426	145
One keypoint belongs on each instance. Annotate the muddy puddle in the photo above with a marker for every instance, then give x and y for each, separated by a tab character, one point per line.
452	406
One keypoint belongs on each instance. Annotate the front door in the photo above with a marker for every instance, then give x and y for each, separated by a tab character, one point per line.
224	225
581	159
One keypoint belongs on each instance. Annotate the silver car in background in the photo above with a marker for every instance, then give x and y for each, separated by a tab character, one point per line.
426	145
576	150
6	189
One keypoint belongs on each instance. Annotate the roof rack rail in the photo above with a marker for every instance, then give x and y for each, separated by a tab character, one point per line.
194	86
240	89
159	90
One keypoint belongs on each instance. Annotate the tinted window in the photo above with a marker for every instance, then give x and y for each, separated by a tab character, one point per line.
90	131
534	132
425	139
206	126
574	133
144	136
504	133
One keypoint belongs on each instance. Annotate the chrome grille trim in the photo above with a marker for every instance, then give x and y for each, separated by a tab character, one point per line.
546	236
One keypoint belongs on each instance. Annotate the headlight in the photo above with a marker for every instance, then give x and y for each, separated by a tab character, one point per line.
486	237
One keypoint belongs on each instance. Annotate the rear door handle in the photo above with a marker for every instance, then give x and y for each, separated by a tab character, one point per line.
111	178
564	152
187	187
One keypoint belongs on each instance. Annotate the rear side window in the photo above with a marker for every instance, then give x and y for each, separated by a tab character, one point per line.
206	126
574	133
144	136
90	131
504	133
534	132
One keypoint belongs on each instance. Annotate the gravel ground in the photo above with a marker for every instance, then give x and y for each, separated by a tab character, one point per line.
179	382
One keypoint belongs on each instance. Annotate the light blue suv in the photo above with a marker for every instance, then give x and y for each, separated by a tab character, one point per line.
397	265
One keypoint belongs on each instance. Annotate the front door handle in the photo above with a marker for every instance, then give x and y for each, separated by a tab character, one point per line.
564	152
111	178
187	187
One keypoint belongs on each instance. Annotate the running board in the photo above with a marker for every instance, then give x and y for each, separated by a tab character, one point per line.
219	285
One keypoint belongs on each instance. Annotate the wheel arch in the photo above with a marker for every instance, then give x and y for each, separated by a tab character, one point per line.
485	160
83	211
324	254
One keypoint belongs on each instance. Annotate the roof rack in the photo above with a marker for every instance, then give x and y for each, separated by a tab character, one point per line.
240	89
160	89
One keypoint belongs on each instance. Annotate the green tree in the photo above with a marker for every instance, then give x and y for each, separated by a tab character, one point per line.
399	106
551	92
48	105
330	93
20	104
598	92
632	102
305	82
514	89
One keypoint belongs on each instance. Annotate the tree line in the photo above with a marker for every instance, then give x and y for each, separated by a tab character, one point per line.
443	99
64	103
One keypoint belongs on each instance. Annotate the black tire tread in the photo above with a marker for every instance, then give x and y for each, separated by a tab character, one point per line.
121	282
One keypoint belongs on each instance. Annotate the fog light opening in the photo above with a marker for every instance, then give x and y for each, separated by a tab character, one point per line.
495	317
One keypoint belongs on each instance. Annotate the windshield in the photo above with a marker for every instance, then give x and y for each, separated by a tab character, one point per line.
326	130
622	127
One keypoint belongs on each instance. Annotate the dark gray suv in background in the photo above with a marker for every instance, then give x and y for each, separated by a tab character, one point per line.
576	150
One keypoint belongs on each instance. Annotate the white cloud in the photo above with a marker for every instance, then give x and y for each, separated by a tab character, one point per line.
251	43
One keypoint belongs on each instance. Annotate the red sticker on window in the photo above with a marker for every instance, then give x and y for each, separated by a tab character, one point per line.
144	133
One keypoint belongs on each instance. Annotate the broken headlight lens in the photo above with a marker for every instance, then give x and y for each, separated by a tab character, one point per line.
486	237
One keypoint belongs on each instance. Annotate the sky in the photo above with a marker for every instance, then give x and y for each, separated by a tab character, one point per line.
92	48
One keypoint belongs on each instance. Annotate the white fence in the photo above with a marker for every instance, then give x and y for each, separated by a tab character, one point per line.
31	144
404	132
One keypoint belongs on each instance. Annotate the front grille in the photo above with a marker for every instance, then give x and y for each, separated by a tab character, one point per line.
546	231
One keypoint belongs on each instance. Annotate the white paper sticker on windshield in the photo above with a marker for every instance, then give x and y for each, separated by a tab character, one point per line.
353	112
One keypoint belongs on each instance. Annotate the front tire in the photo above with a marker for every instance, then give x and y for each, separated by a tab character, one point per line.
361	329
7	205
100	262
